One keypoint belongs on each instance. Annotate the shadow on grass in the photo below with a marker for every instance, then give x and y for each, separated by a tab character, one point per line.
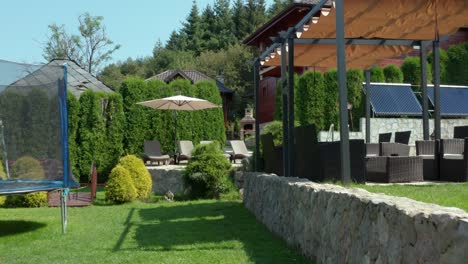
10	228
207	226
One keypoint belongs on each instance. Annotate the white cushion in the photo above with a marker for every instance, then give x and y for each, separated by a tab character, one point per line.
426	156
453	156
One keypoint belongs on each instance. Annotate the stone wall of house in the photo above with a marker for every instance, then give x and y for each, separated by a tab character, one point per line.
386	125
332	224
167	178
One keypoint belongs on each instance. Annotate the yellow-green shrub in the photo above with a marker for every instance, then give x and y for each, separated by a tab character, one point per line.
120	188
2	173
2	201
27	168
140	175
37	199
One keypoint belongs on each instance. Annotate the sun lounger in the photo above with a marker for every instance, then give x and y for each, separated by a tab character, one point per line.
153	153
239	150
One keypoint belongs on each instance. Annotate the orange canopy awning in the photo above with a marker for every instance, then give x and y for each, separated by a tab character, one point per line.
379	19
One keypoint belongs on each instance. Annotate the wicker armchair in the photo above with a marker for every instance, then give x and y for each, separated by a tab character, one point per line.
426	149
453	161
394	169
306	150
272	155
330	161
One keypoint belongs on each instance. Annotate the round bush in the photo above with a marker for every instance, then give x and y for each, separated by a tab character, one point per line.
27	168
38	199
2	172
120	188
207	172
140	175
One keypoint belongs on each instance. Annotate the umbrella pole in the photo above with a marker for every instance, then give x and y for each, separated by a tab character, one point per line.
175	137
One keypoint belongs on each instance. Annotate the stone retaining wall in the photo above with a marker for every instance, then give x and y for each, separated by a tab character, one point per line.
167	178
332	224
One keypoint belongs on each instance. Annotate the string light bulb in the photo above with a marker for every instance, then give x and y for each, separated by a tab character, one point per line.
262	62
298	34
273	55
278	50
315	19
287	47
326	11
267	58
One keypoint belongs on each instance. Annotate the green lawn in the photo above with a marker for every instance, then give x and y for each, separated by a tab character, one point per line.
450	194
180	232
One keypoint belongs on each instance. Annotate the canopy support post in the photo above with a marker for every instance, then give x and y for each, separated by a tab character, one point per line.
425	103
284	92
435	46
257	113
368	108
291	105
343	93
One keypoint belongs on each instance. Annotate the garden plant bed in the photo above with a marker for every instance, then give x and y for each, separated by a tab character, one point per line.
204	231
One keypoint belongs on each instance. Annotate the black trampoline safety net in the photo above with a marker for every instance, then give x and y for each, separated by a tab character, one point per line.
32	114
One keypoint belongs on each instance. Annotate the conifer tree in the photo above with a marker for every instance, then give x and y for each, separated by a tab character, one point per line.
224	25
191	29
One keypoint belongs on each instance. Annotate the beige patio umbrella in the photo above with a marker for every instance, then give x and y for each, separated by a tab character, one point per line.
178	103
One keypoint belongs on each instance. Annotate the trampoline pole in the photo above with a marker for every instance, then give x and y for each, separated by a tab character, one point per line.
7	169
63	199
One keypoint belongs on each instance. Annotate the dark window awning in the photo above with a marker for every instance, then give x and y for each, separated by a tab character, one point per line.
394	100
453	100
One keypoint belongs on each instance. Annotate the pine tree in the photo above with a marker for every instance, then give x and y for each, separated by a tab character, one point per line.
224	26
239	19
278	6
255	14
176	42
191	29
208	25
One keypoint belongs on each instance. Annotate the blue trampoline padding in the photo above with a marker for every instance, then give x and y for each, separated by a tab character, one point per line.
28	186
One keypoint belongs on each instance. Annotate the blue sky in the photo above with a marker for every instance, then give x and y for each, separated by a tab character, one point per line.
136	25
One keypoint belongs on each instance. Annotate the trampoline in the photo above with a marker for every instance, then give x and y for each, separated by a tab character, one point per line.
34	131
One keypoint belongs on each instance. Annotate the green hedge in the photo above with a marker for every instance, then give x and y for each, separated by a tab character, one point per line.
411	69
393	74
310	100
73	121
355	78
457	65
331	98
137	123
377	75
210	121
143	123
96	133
